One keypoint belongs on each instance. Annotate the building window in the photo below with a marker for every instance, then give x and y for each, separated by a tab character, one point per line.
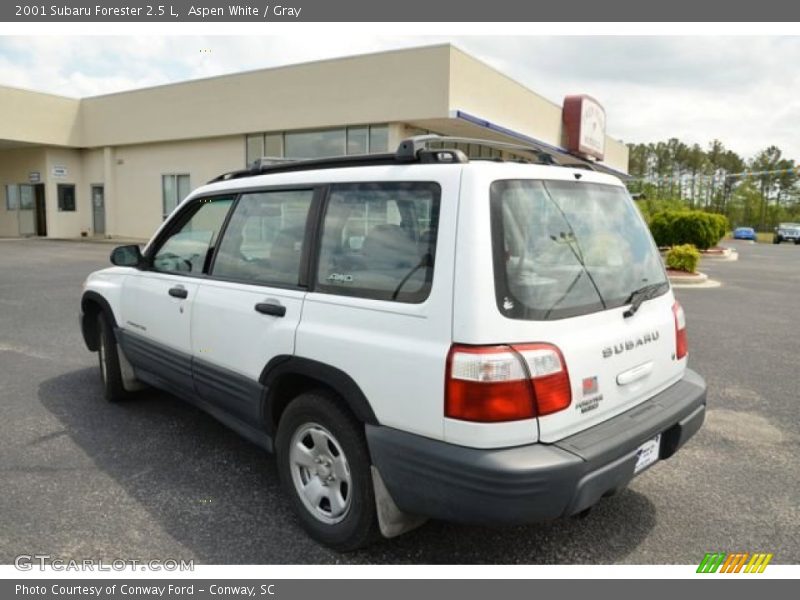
315	144
357	140
12	197
174	189
66	197
378	138
273	145
319	143
255	147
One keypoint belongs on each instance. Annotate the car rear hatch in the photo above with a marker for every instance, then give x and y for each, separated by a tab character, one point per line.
575	269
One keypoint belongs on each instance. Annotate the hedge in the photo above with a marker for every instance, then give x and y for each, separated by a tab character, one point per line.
683	258
701	229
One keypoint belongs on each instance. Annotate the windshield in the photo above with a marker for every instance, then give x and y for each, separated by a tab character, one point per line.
563	249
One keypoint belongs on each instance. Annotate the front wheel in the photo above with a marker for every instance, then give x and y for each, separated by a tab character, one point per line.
776	241
324	466
108	357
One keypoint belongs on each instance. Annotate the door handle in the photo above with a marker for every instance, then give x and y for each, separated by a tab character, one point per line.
178	292
271	308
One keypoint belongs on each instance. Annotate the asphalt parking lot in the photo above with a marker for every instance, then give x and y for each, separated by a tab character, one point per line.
156	479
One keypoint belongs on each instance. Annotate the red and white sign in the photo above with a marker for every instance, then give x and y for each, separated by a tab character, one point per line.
585	126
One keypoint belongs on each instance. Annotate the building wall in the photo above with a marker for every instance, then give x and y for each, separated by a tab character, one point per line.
490	95
376	88
483	92
616	155
127	141
137	172
39	118
65	224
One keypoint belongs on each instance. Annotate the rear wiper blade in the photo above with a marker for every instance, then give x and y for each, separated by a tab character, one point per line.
637	297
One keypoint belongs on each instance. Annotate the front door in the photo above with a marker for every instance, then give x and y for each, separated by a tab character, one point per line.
156	306
98	210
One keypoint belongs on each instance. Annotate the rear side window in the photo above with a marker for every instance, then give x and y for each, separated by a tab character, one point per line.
263	242
379	241
563	249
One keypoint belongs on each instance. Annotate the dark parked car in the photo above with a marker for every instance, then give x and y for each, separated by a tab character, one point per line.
787	232
744	233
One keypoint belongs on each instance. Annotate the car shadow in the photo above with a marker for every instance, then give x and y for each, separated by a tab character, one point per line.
219	495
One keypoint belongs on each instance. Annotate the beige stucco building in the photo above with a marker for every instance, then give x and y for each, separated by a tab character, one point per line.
114	165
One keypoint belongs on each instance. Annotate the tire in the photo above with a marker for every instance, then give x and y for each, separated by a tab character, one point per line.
324	467
776	241
108	359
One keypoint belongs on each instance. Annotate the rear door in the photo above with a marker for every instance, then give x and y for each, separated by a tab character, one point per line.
566	256
248	310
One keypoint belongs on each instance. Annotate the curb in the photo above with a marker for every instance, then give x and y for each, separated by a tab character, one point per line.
729	255
698	281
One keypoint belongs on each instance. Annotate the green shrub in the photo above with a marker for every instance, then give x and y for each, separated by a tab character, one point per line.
722	225
701	229
661	226
683	258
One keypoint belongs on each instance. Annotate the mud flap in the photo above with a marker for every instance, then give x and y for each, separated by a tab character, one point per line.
391	520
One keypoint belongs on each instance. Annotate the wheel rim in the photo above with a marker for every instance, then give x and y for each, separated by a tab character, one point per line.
102	352
320	473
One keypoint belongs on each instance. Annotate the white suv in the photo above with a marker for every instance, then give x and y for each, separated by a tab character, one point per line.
414	334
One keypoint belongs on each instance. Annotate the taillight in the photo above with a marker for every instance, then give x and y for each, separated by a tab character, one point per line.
681	346
505	383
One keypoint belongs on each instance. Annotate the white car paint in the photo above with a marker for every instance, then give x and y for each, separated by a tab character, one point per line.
396	352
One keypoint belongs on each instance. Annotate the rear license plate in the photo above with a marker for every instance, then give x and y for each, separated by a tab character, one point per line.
647	454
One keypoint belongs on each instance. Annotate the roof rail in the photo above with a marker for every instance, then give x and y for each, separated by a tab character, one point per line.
411	150
411	146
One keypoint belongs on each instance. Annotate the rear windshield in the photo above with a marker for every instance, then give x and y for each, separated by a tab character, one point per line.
563	249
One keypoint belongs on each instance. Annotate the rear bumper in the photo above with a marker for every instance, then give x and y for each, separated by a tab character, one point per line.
536	482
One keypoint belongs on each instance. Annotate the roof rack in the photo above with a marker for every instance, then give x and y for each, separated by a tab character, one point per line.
415	149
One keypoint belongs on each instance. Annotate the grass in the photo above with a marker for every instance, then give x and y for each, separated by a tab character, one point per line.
762	237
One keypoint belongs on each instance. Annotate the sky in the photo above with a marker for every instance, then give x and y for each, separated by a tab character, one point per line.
744	91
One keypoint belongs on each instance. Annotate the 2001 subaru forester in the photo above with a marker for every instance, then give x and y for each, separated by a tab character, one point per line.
414	334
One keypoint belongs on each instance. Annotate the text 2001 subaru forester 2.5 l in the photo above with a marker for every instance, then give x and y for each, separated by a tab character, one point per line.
414	334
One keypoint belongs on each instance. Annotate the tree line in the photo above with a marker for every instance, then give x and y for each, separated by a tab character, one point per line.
759	191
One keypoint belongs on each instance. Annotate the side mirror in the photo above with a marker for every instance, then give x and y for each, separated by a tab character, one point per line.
126	256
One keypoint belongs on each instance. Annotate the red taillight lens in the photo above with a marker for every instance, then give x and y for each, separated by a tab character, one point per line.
505	383
681	345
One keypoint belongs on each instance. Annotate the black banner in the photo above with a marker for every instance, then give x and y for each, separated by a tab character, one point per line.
405	11
334	589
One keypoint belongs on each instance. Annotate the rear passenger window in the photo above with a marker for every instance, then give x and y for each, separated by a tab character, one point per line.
263	242
379	241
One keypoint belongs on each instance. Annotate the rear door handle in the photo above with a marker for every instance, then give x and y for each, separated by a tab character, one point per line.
179	292
271	308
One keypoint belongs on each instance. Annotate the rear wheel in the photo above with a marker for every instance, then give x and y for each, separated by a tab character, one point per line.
324	466
108	357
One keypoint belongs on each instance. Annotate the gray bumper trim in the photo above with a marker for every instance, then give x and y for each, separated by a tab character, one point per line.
537	482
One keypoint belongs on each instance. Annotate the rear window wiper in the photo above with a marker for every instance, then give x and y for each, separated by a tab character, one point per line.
637	297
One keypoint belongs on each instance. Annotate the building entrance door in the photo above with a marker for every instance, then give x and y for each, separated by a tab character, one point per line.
27	210
98	209
41	210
